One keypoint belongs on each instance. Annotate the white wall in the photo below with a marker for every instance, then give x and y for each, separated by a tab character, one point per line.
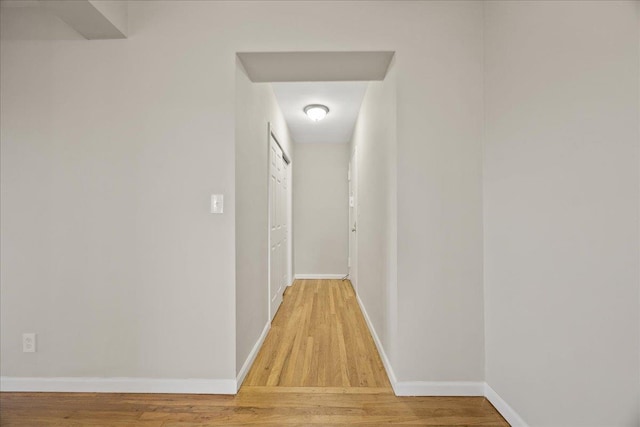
561	210
439	181
111	150
320	208
374	140
256	107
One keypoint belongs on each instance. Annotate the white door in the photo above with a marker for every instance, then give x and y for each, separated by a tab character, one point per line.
278	228
353	220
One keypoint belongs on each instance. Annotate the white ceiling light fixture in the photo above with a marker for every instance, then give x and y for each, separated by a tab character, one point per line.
316	112
343	98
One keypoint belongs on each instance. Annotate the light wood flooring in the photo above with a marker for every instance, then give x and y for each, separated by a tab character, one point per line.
318	366
318	338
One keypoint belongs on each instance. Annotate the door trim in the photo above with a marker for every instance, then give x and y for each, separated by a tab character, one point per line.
352	260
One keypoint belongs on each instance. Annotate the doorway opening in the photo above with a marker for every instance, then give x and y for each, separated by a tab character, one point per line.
317	332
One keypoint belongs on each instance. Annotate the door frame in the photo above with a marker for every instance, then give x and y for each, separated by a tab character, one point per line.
353	219
289	250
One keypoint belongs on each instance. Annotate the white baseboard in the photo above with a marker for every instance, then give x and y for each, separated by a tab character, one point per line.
503	407
320	276
439	388
117	385
421	388
252	356
376	339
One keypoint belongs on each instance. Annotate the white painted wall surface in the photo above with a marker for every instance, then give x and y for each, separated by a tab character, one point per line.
256	106
561	210
439	124
375	139
321	209
111	150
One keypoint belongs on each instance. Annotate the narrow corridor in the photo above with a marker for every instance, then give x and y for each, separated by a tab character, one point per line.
319	338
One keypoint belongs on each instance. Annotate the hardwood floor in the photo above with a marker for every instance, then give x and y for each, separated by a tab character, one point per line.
318	366
266	406
318	338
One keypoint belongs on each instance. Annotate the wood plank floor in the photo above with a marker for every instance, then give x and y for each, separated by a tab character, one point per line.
252	406
318	338
328	375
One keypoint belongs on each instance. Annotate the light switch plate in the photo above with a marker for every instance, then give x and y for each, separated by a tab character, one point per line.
217	203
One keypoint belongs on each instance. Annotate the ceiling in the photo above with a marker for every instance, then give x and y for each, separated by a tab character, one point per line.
342	98
19	3
315	66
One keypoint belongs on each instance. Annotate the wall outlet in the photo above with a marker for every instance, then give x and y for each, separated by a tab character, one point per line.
29	343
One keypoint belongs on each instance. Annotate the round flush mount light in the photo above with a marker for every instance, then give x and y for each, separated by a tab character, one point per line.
316	112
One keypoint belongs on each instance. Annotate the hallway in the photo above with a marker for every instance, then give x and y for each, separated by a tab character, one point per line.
318	338
321	364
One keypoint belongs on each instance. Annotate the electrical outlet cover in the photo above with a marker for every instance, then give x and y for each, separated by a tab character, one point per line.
29	343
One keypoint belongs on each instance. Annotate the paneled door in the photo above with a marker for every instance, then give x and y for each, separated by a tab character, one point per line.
278	226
